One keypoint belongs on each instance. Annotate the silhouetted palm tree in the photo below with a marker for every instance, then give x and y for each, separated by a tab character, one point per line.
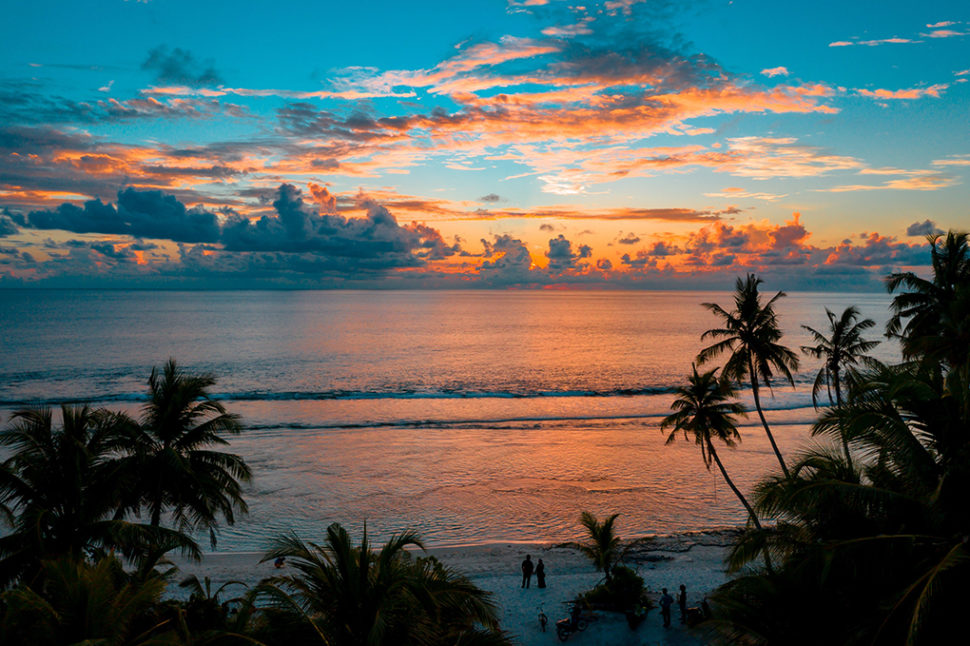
205	613
937	311
841	351
880	547
172	455
63	487
704	412
750	333
883	546
603	546
350	595
84	603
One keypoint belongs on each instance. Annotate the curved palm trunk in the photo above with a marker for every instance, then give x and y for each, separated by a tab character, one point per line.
156	503
737	492
764	422
838	404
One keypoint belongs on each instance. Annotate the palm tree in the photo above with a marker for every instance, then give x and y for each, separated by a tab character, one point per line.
938	310
603	547
842	350
879	547
63	487
750	333
351	595
205	612
883	544
703	412
172	458
84	603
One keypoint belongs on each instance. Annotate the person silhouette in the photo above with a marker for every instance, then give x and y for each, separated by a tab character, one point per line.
665	602
682	602
527	571
540	574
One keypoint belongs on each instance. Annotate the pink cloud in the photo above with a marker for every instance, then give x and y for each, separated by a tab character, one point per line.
873	43
772	72
908	94
945	33
914	180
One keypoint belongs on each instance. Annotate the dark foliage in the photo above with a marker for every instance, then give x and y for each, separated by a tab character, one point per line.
874	551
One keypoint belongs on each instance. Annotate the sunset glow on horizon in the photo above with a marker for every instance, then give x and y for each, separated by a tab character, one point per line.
527	143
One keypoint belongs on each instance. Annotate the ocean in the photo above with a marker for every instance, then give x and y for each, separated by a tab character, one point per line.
471	417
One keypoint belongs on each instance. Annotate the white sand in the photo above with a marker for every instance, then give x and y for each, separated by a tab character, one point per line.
696	560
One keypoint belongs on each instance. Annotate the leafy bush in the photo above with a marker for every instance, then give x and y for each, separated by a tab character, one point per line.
622	592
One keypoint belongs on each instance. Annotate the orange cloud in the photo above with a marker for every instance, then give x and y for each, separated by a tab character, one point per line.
910	94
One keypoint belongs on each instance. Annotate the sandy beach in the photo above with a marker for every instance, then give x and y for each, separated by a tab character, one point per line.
695	560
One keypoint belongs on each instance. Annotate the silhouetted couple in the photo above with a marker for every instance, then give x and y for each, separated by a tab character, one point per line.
666	601
528	569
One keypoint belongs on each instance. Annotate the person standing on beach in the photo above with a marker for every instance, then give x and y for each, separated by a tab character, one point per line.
540	574
665	602
526	571
682	602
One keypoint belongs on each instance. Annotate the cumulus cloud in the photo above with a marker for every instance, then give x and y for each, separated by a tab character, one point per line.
640	262
7	225
373	242
512	267
924	228
150	214
323	197
491	197
629	238
662	248
877	250
180	67
561	256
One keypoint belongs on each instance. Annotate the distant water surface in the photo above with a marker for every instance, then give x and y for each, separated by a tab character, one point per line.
469	416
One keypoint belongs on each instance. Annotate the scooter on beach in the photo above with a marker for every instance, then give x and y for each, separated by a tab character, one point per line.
574	623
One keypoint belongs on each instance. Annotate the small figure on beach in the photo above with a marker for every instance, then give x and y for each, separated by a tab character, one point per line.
665	602
278	563
682	602
540	574
527	571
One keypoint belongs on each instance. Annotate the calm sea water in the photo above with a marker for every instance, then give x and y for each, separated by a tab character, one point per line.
472	417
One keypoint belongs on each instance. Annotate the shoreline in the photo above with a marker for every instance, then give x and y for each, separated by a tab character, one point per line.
695	559
664	542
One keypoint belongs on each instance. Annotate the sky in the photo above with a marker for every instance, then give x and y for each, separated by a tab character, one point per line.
625	144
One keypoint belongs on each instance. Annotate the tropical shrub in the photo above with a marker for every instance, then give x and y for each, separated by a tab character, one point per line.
347	595
624	591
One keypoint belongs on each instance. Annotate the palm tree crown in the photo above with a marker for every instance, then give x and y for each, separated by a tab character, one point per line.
64	488
936	311
603	547
842	350
171	453
704	411
751	333
351	595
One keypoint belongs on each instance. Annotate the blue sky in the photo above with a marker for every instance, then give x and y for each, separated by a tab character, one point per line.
489	144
